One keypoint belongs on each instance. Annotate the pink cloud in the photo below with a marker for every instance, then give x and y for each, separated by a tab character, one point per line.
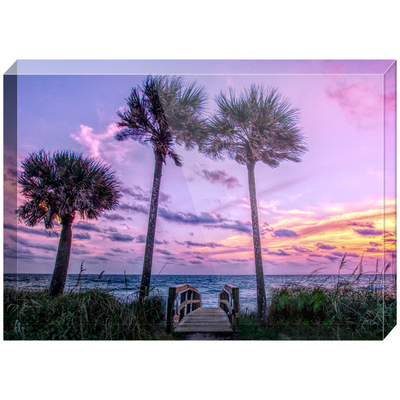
368	232
100	145
220	177
325	246
359	98
362	224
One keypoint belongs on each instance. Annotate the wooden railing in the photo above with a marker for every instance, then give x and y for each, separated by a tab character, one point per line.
228	300
182	300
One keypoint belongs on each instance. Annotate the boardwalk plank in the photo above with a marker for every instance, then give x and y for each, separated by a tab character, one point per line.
205	319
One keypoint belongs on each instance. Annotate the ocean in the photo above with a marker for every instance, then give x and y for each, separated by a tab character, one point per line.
208	285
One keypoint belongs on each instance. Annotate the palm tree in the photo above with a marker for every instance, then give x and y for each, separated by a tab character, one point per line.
164	111
258	125
58	186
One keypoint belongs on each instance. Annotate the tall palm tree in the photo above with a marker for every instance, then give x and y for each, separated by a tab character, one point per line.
58	186
258	125
164	111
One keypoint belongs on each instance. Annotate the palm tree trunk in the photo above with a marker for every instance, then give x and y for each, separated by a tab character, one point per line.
151	229
261	298
62	261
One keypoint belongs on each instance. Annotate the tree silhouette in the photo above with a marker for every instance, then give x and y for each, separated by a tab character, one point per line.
164	111
258	125
58	186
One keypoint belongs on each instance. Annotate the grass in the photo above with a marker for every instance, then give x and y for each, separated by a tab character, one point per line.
296	312
303	313
93	314
312	312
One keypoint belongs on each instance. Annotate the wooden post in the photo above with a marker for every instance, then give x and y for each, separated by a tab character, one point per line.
235	305
182	312
228	300
195	305
187	293
171	309
189	297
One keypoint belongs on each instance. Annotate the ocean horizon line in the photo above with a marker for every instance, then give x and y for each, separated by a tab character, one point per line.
155	275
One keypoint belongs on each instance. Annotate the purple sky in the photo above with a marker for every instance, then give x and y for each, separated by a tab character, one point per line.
311	213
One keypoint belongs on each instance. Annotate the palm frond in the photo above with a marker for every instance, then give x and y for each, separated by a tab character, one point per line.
60	185
257	125
177	158
165	111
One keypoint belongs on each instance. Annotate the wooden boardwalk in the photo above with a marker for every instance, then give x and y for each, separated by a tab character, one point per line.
205	320
185	315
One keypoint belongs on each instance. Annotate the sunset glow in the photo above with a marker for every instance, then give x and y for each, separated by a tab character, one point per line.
312	213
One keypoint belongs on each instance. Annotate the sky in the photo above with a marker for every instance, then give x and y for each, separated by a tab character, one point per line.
339	199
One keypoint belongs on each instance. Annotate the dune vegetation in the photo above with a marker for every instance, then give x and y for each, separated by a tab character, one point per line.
93	314
295	312
313	312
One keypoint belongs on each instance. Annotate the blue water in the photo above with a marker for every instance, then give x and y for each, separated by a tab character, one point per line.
208	285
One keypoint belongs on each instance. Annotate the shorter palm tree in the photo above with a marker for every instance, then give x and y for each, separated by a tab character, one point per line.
58	186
